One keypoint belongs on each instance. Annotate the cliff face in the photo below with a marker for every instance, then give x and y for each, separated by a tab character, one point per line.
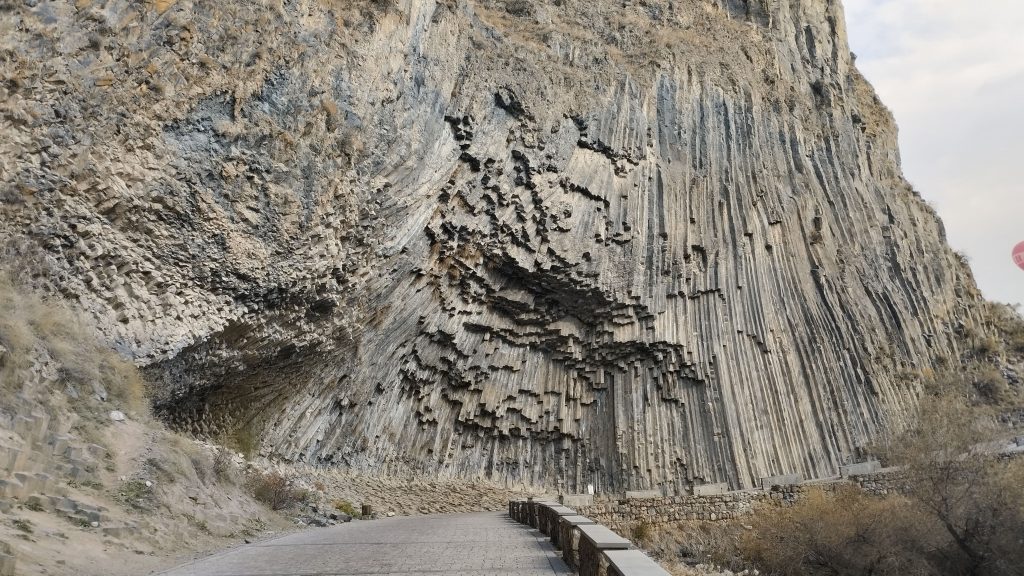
638	246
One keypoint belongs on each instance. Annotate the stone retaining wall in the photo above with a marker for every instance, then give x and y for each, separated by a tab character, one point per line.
621	514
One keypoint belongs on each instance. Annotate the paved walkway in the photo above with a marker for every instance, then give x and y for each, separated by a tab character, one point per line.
482	544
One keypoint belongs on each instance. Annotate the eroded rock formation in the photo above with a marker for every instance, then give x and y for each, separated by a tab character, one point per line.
638	246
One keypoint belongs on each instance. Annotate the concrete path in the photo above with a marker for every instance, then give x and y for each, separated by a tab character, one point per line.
482	544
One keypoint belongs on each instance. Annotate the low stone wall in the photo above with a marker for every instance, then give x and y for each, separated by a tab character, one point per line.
589	549
622	514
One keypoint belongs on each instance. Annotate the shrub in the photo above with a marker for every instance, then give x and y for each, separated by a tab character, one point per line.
961	511
345	507
519	8
641	532
971	502
252	526
845	534
224	466
991	385
276	491
22	525
693	542
136	494
986	346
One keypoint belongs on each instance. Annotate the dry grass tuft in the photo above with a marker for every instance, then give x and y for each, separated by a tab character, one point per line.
32	325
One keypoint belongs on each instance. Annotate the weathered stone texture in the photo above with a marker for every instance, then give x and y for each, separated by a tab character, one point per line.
622	515
639	246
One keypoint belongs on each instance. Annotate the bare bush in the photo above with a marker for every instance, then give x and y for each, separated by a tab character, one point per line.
696	542
844	534
961	513
345	507
975	499
224	466
641	532
992	385
276	491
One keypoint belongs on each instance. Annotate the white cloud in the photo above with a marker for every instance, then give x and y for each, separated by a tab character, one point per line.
952	71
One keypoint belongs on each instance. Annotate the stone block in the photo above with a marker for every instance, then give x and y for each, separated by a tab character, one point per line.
576	520
120	531
860	469
548	518
577	500
710	489
7	565
44	482
11	459
564	529
11	488
784	480
535	507
39	501
561	510
59	444
643	494
515	509
594	540
602	538
632	563
31	428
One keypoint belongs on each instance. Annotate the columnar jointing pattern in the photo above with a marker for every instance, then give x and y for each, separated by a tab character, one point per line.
565	255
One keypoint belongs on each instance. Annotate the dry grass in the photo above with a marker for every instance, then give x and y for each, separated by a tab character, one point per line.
961	512
978	382
223	467
713	543
345	507
1009	323
32	326
843	534
276	491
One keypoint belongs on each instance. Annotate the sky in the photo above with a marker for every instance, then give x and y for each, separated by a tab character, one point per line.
952	72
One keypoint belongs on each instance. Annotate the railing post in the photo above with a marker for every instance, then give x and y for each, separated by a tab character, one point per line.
594	541
569	538
587	547
632	563
550	523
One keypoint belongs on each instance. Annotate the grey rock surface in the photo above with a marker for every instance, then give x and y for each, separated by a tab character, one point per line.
634	563
641	246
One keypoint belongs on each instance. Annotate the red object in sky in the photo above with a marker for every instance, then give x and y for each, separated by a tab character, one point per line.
1018	255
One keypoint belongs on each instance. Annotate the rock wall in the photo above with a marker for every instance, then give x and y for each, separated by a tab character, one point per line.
622	515
634	246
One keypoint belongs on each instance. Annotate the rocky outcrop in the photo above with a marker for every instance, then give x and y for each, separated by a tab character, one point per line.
636	246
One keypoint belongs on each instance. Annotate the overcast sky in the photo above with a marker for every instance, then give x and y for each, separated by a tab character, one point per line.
952	72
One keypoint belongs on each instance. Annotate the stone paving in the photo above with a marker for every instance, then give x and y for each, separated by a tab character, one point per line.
483	544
